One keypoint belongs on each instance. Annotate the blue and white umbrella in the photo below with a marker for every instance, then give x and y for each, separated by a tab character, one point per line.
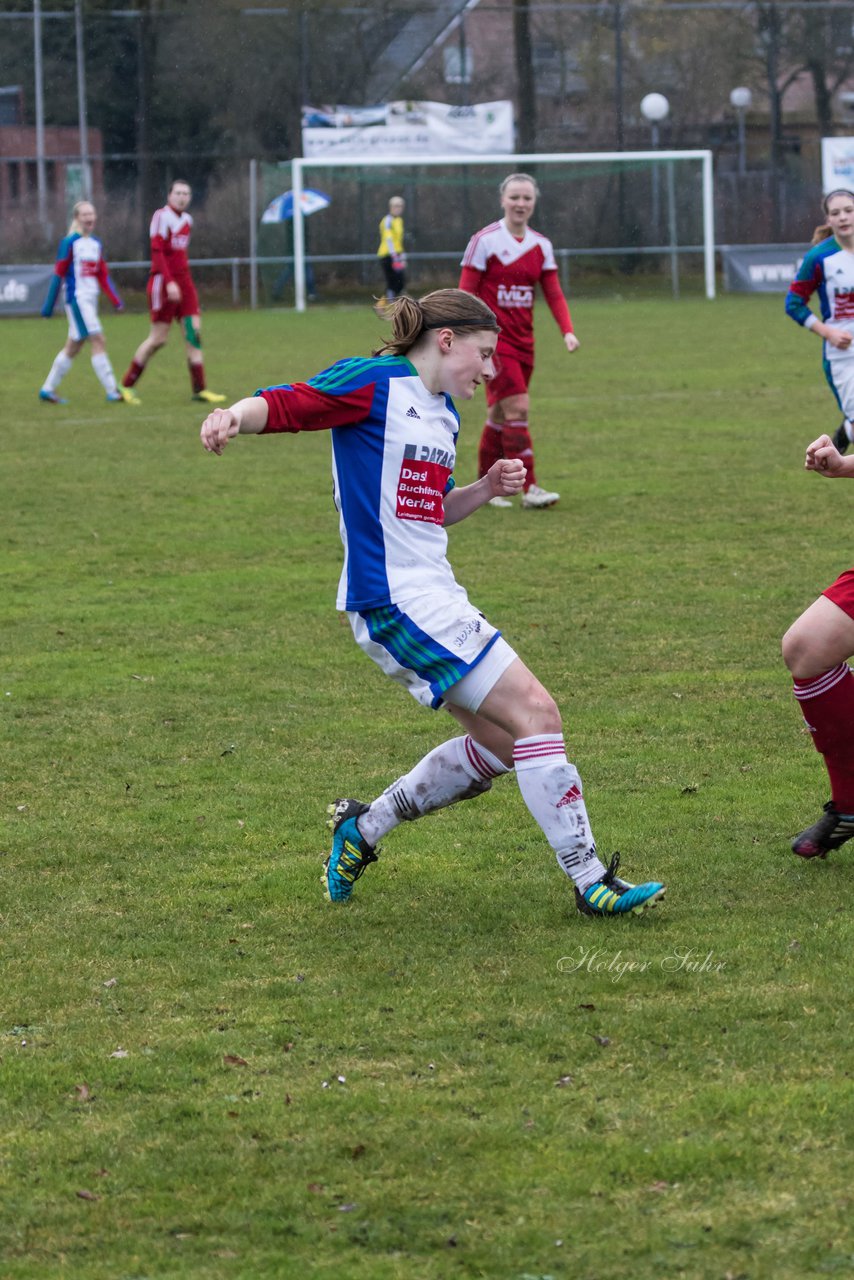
282	208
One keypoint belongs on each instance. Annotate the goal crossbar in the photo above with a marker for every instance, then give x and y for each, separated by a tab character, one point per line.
512	162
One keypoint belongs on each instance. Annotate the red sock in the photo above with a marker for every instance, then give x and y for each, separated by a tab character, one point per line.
518	444
490	449
197	375
827	705
133	374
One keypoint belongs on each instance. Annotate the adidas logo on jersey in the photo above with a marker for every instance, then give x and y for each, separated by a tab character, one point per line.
411	413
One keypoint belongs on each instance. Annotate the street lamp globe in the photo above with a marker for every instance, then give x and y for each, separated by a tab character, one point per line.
655	107
741	98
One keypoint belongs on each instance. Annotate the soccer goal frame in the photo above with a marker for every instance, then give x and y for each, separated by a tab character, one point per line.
510	163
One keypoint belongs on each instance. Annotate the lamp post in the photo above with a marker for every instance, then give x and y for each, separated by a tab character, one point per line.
740	99
655	108
82	125
41	168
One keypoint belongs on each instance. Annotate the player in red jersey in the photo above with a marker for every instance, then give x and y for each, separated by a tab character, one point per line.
502	265
817	649
171	292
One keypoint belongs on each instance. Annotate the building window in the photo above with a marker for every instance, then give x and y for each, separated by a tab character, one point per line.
459	64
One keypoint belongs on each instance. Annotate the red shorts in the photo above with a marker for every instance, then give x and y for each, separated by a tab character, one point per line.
511	380
162	310
841	592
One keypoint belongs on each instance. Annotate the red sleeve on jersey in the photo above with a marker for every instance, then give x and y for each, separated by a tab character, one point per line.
470	279
160	258
161	250
301	407
63	264
806	288
553	295
106	283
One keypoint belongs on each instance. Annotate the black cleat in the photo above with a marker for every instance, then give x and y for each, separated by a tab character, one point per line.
840	438
831	831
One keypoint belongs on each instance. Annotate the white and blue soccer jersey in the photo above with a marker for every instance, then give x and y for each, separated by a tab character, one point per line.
393	454
81	271
829	271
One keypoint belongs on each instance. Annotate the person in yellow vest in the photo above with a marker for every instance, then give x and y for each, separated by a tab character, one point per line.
390	253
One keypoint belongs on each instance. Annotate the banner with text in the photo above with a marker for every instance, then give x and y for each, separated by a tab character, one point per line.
760	268
837	164
23	289
408	128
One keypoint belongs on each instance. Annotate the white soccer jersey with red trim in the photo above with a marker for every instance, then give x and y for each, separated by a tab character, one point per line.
393	454
170	233
510	269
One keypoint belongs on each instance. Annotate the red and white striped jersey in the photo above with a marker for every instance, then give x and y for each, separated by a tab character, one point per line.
504	272
170	240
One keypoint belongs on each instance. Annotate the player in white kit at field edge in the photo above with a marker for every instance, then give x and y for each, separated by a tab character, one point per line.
828	269
81	273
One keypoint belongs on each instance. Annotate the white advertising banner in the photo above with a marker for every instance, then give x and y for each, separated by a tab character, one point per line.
837	164
408	128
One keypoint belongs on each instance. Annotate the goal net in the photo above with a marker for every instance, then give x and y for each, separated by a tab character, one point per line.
616	211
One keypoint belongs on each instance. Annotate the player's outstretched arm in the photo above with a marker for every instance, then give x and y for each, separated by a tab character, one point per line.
825	458
246	417
503	479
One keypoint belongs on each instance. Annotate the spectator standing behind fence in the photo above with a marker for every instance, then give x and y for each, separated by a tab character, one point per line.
81	272
390	253
503	264
172	293
828	268
816	649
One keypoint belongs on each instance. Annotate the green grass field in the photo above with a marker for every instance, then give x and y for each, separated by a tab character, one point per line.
208	1072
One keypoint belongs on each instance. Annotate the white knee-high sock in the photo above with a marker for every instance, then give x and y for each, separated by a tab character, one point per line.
58	370
104	372
551	788
456	770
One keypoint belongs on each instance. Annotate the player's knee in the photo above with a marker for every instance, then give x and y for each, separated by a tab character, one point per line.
515	409
801	653
541	715
550	717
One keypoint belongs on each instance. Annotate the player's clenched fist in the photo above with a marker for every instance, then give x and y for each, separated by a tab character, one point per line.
218	428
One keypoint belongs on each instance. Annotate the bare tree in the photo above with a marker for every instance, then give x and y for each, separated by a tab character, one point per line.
527	98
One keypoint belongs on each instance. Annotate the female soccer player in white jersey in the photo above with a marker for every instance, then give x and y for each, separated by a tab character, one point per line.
503	264
828	268
394	432
81	272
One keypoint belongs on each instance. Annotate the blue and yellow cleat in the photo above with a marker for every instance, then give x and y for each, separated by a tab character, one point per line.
350	855
123	395
209	397
611	896
50	397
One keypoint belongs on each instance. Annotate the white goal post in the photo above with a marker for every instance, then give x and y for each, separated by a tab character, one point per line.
509	163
